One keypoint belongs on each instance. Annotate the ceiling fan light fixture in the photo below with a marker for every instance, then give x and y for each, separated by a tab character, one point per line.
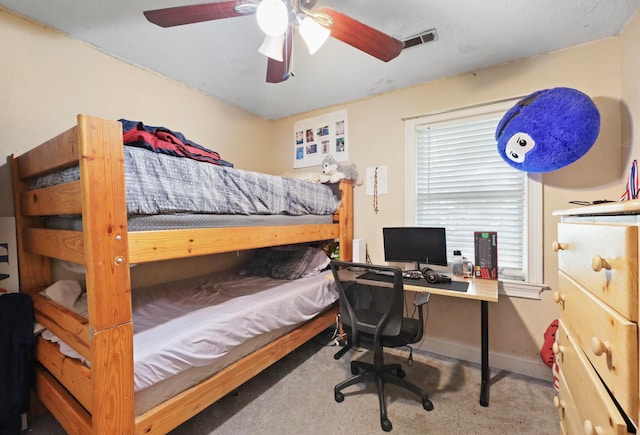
272	46
273	17
313	34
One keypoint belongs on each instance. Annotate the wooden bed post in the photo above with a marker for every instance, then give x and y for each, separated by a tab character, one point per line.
346	219
105	238
35	270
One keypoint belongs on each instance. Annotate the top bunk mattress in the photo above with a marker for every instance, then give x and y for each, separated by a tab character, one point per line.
162	184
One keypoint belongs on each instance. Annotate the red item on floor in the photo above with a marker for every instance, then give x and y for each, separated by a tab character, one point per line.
546	353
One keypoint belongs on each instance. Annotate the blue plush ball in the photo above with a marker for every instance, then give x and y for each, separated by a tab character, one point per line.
548	130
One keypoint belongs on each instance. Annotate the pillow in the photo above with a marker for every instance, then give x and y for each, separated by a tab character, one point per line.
64	292
287	262
318	263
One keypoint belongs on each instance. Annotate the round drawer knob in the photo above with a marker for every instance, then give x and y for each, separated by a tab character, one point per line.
558	297
590	429
557	246
599	347
598	263
557	349
558	402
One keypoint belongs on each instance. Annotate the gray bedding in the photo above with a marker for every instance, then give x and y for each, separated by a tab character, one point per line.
162	184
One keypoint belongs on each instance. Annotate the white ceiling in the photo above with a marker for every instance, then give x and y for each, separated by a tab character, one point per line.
220	58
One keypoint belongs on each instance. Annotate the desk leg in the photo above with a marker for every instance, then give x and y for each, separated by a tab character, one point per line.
484	319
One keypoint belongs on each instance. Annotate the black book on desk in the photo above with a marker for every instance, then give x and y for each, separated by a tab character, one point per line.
459	286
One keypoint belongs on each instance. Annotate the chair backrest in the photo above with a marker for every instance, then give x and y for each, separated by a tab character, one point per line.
373	305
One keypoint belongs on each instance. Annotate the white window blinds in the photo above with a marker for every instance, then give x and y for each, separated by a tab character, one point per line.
462	184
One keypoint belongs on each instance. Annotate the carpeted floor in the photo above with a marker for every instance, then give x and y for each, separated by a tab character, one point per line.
295	396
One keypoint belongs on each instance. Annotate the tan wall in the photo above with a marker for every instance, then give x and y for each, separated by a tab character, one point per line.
630	71
376	137
46	79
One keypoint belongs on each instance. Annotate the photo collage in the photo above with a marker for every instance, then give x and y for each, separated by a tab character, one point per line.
317	137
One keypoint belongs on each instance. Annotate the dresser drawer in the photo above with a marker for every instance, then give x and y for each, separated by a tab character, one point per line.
570	421
596	411
604	260
608	339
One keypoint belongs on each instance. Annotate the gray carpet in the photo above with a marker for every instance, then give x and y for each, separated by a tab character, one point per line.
295	396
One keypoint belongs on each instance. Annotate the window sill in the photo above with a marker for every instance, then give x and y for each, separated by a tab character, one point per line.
525	290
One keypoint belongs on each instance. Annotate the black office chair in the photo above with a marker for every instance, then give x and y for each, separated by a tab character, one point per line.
373	318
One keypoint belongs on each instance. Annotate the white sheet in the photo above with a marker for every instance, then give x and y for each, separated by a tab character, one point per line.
193	323
176	328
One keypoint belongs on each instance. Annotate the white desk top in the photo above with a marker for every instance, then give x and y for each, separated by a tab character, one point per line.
479	289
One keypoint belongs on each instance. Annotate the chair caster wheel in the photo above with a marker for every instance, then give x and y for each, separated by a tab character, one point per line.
386	425
401	373
426	404
340	397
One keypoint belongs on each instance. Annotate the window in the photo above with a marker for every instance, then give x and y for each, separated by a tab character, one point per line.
457	179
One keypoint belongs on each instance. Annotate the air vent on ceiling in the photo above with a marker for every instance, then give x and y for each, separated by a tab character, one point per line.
422	38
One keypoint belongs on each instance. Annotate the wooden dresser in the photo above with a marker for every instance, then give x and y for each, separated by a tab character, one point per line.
597	340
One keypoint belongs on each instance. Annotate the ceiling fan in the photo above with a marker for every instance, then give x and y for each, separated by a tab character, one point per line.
279	19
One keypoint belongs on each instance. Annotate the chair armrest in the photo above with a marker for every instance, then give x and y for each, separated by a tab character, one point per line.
421	299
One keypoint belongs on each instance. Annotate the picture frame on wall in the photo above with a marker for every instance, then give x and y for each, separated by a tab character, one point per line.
315	138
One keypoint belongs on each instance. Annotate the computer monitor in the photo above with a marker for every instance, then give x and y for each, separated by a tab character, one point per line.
418	245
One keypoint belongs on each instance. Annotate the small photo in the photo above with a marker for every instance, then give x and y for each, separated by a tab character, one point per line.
310	135
323	131
299	137
312	148
340	128
299	153
339	144
324	147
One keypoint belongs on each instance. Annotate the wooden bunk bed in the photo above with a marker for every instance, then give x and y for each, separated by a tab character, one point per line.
100	399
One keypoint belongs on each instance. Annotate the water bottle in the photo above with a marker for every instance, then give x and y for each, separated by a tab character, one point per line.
457	269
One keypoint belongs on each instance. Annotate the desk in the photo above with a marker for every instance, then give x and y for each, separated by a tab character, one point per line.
483	290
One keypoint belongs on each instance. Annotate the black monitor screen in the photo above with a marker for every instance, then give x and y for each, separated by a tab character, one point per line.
420	245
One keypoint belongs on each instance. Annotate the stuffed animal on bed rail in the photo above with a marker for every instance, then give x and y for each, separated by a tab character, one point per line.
332	171
548	130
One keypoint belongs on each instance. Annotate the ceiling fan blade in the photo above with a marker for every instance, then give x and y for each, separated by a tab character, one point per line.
180	15
279	71
361	36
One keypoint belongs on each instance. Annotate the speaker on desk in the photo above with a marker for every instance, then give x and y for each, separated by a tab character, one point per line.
359	251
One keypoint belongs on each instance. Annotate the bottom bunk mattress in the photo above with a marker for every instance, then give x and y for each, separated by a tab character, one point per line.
186	331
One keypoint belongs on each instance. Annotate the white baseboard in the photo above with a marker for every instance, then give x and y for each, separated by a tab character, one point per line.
532	367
